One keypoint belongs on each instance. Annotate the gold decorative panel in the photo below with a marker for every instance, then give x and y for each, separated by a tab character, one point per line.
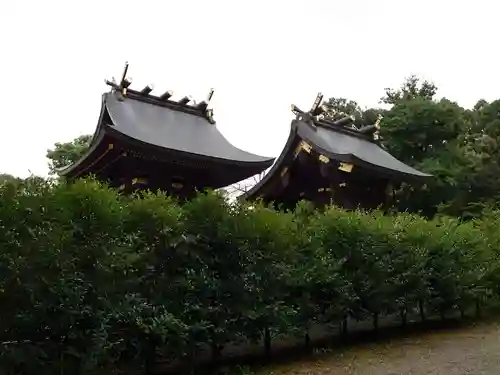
306	147
324	159
346	167
139	180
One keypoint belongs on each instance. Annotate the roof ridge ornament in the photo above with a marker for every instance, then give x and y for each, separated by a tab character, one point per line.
314	114
300	115
187	103
373	129
185	100
321	115
124	74
316	109
203	105
121	87
166	95
147	89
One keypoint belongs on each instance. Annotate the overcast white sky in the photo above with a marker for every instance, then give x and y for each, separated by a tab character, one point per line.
260	56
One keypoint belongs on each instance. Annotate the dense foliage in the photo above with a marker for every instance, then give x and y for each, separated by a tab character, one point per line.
460	147
89	278
64	154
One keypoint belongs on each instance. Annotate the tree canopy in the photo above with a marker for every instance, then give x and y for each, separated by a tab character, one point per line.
459	146
5	177
64	154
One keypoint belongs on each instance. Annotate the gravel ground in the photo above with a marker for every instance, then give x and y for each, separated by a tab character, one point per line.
473	350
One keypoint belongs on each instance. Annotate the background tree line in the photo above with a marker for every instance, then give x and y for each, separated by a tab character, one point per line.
92	281
460	147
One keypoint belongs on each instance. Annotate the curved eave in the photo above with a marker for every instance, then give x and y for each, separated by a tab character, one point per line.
127	141
100	122
81	163
94	143
289	146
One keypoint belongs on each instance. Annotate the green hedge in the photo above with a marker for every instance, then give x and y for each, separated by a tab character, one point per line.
89	278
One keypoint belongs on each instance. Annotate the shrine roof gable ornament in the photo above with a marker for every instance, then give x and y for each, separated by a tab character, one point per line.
123	91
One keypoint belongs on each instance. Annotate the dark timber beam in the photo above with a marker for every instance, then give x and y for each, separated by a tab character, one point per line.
147	90
166	95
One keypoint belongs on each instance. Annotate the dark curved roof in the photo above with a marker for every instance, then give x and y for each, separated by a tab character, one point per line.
356	150
173	129
339	144
167	125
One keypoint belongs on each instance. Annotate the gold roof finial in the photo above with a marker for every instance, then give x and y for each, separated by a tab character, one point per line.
124	74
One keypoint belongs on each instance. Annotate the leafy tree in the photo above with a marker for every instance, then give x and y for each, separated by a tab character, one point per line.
332	284
483	144
438	137
459	147
272	233
342	107
8	178
409	274
218	266
64	154
153	318
60	274
420	128
410	89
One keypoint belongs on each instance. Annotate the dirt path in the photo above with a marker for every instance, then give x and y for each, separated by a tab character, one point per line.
473	350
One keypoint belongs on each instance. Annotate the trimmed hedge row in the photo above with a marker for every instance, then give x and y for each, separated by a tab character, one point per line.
89	278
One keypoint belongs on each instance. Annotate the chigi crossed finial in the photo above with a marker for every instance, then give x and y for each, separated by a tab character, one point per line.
122	88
